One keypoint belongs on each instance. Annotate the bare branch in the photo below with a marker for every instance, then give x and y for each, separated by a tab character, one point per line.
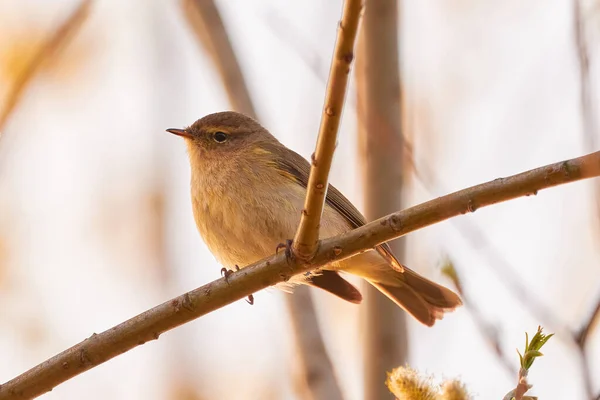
205	20
307	236
59	38
380	143
147	326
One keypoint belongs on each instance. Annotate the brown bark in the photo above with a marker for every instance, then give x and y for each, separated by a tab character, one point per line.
380	147
307	236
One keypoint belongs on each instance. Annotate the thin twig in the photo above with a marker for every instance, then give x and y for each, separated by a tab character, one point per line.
307	236
205	20
147	326
59	38
317	369
380	140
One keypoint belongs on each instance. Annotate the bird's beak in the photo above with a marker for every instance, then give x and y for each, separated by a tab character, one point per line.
180	132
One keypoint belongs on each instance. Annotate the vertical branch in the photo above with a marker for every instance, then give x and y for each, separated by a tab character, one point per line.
380	151
316	368
57	40
305	240
205	20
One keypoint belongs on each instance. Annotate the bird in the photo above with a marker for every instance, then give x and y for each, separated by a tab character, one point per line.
248	191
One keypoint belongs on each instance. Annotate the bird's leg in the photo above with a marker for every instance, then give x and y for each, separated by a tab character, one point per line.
250	299
288	248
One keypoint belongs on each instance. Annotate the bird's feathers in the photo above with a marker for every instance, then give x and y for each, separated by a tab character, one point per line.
332	282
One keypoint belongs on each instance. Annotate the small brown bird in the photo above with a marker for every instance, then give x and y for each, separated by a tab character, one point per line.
247	193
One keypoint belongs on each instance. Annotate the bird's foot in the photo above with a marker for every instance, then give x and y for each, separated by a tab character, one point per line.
288	248
227	272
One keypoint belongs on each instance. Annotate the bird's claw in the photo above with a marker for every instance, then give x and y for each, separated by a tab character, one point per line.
288	248
227	272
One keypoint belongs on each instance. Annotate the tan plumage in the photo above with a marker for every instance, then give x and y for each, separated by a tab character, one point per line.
247	193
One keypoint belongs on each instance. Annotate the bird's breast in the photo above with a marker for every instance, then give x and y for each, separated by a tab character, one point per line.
243	222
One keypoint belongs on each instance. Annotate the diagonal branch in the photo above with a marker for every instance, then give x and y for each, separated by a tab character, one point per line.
149	325
55	42
307	236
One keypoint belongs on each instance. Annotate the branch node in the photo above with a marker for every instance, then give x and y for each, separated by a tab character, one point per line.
395	222
567	169
84	358
187	303
329	111
471	207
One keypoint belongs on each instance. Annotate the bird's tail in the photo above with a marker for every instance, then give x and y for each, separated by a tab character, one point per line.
423	299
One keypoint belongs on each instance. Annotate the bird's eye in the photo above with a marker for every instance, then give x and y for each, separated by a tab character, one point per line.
220	137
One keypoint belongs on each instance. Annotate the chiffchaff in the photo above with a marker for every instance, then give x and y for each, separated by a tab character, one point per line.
247	194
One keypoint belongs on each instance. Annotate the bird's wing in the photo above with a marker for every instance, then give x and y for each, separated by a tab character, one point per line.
295	167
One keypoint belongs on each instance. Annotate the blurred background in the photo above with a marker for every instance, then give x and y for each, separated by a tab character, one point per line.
96	223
